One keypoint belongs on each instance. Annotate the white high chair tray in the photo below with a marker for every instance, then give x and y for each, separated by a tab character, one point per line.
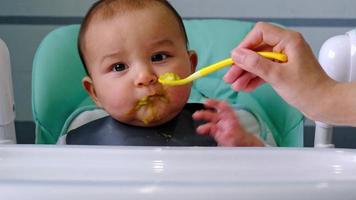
87	172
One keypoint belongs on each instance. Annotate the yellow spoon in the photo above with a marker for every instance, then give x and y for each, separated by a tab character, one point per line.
173	79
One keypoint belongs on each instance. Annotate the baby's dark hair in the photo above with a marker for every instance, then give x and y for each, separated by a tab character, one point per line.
108	8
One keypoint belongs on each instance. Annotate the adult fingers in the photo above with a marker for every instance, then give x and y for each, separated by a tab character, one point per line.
253	63
262	33
233	74
242	81
253	84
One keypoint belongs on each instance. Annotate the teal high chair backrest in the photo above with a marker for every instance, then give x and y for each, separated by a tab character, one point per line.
58	95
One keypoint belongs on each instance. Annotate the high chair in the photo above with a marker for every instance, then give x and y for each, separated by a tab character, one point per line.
7	104
58	97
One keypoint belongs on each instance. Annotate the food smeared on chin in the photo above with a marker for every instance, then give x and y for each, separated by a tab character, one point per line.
147	106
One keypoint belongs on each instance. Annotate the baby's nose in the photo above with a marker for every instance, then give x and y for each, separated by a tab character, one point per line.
145	78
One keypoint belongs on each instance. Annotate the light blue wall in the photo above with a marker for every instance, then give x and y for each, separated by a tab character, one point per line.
23	23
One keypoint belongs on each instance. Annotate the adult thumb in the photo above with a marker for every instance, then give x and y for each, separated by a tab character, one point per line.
252	62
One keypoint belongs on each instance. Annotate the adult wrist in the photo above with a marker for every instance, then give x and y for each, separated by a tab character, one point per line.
322	101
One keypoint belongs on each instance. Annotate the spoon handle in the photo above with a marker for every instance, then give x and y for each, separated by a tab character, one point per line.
173	81
274	55
216	66
223	63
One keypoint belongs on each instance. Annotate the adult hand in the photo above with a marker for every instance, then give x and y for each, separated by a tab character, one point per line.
300	81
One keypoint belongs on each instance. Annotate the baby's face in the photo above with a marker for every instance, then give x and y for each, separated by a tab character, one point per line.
126	54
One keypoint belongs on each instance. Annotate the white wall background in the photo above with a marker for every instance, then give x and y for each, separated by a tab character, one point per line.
23	24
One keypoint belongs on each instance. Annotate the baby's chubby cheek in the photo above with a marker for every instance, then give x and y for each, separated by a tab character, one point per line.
178	95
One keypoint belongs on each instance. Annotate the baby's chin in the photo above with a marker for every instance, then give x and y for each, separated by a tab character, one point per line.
149	116
153	123
147	119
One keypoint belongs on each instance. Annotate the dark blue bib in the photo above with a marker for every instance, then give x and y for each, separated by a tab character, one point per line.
180	131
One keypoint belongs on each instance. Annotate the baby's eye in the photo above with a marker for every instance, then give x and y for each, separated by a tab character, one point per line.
118	67
159	57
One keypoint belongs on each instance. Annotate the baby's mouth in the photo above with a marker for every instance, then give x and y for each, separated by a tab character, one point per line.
147	107
149	100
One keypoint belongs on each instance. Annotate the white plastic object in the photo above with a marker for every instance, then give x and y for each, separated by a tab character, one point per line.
337	56
323	135
41	172
7	109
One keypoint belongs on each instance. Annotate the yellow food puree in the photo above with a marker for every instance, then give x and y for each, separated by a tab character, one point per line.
148	104
169	77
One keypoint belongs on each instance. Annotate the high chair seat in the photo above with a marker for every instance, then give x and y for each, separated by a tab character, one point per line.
58	96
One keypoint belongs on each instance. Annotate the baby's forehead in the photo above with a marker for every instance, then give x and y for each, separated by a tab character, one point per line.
122	7
102	16
121	22
115	11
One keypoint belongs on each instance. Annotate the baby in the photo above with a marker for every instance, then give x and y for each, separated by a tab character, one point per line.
125	45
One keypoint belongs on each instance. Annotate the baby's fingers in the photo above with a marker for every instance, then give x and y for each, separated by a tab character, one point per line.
207	129
220	107
205	115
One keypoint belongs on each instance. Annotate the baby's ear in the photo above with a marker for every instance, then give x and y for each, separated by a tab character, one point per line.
193	59
89	87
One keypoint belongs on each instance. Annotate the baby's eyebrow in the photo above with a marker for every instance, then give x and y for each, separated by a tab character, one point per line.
110	55
163	42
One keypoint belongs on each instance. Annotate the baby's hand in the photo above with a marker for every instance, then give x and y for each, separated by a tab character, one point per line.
223	125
